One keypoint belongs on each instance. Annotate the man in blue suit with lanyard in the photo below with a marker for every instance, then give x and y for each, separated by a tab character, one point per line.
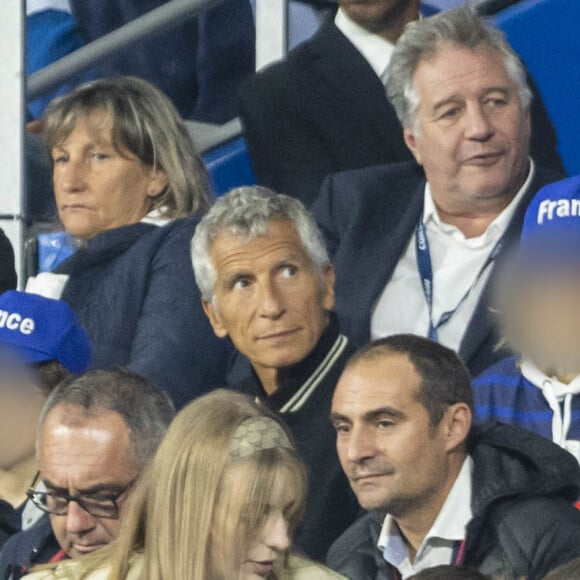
416	248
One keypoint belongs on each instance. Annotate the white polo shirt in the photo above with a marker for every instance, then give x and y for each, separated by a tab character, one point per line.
443	539
456	262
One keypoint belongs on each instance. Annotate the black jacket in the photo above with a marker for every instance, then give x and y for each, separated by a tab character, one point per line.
133	290
321	111
8	521
324	110
36	545
7	271
367	218
303	400
524	521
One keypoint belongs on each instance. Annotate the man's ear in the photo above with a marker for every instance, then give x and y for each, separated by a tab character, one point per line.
157	183
328	288
456	425
411	142
214	319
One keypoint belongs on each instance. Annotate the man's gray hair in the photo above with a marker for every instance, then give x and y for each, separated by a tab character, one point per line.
421	39
245	212
146	411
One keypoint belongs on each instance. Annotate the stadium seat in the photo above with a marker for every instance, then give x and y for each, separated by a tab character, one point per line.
53	248
545	34
229	166
438	5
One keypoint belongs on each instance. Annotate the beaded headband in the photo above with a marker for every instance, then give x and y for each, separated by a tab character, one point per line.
257	434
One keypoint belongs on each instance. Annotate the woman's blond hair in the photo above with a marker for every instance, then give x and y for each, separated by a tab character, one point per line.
145	124
171	517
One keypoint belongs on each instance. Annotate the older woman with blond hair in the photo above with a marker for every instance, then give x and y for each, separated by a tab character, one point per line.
220	501
129	187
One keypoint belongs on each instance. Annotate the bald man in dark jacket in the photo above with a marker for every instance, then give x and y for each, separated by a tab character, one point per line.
524	522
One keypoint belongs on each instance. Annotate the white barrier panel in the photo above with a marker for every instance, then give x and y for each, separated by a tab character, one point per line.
12	124
271	31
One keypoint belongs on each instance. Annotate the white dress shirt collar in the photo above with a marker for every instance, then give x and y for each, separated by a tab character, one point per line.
156	218
495	229
34	6
376	50
449	526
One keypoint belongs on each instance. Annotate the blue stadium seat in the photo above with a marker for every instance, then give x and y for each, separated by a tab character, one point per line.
438	5
229	166
545	34
53	248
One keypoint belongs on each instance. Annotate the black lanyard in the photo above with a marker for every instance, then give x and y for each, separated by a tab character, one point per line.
426	273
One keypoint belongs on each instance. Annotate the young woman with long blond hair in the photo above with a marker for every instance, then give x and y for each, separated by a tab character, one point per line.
219	501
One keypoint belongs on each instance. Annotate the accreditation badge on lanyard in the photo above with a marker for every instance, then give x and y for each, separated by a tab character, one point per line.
425	268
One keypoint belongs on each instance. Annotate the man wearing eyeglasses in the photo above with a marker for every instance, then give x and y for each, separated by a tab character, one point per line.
96	433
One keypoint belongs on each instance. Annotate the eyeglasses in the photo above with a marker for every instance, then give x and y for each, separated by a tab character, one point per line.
100	505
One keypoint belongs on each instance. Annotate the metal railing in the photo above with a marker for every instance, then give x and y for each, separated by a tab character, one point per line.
271	39
271	44
157	21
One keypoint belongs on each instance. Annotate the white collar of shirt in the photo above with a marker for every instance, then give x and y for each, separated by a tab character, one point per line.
495	229
449	525
559	397
34	6
156	218
376	50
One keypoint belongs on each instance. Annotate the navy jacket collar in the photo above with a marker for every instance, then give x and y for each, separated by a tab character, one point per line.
384	237
105	246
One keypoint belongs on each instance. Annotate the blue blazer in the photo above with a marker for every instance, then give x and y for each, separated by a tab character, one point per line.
133	290
29	548
367	217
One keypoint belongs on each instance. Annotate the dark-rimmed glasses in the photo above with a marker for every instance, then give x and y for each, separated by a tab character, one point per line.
99	505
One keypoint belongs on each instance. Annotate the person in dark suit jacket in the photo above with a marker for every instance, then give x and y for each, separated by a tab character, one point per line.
323	110
475	161
367	218
7	271
266	282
